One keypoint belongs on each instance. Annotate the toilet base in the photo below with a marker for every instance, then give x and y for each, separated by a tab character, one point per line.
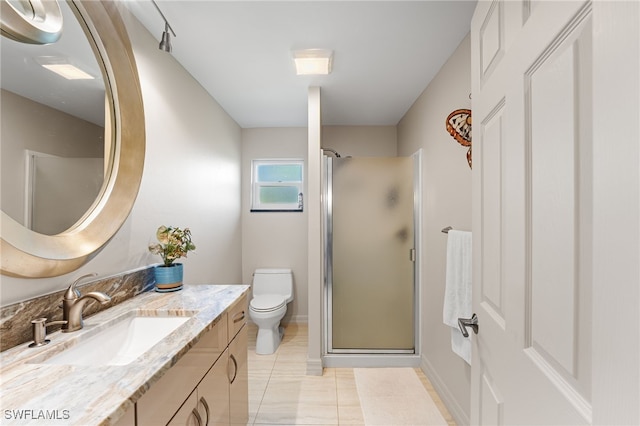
268	339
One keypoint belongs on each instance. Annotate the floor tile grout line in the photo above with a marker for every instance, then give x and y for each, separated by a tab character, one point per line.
264	392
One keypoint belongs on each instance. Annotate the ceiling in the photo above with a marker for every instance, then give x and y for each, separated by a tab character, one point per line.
385	54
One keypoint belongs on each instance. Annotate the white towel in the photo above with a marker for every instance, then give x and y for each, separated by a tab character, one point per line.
457	296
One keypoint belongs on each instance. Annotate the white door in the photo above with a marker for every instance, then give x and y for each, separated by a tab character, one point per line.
550	223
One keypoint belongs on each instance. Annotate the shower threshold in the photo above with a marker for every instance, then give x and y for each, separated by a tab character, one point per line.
370	360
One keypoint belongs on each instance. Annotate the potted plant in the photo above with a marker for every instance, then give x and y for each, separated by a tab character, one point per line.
173	243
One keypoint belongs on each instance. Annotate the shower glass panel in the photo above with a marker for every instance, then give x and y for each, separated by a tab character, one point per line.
370	255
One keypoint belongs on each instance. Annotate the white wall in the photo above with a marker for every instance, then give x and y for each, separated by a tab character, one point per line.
446	202
191	179
275	239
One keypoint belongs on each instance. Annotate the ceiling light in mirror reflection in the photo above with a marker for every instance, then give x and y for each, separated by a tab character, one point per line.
68	71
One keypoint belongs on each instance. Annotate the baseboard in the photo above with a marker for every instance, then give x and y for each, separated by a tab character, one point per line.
314	367
457	412
299	319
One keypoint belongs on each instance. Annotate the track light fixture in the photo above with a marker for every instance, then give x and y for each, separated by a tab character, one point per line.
165	42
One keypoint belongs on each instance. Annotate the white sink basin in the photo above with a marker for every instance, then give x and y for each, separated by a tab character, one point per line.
120	343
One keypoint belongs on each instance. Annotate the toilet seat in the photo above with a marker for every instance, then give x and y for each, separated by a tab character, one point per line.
267	303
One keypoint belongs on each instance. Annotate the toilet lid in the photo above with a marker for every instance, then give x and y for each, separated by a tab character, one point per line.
267	302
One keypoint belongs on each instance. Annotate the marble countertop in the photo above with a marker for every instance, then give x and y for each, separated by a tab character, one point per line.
45	394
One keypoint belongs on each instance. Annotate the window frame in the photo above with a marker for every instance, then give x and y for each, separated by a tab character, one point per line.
256	205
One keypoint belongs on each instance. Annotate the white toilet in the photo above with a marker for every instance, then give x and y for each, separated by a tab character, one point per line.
272	290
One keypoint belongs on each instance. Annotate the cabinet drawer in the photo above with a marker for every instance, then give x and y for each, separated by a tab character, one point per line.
165	396
237	316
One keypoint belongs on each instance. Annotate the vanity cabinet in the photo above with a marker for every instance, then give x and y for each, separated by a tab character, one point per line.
208	404
128	418
239	380
209	384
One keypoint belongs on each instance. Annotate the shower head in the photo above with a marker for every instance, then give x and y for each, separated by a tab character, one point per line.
333	151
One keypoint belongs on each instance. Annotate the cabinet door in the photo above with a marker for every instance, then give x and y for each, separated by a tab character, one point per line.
165	396
239	379
213	394
188	414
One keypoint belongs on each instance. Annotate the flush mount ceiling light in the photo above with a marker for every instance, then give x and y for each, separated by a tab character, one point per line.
63	68
313	61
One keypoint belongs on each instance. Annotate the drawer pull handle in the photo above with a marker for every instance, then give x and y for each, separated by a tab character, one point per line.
197	416
235	368
239	316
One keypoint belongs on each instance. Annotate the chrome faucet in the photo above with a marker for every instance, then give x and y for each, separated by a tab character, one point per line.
73	304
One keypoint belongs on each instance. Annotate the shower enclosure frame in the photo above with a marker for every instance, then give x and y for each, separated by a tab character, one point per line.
371	357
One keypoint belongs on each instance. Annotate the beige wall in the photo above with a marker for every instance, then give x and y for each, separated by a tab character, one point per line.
446	198
191	179
361	141
57	133
275	239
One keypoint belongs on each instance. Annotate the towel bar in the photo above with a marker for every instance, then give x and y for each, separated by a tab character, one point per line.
447	229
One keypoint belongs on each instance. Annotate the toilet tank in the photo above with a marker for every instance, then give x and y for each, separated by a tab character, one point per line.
273	281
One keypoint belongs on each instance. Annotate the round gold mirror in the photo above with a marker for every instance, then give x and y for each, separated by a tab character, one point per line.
33	253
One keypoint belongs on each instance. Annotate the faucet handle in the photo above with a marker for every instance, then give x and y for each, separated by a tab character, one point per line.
72	292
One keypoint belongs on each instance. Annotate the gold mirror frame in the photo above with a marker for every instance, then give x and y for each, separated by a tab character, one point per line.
27	254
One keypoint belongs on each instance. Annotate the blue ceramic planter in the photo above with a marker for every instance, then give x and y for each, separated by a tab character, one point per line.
168	278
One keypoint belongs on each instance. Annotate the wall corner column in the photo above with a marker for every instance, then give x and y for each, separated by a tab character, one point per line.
314	236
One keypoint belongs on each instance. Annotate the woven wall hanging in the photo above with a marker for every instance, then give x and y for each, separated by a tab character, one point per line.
459	126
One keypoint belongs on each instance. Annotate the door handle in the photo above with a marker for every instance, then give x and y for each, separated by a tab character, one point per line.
472	322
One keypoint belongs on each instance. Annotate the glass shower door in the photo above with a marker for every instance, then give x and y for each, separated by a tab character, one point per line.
370	253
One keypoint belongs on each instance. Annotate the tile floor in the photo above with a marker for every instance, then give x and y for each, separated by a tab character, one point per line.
280	393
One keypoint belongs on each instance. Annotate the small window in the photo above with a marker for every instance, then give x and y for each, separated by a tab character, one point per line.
276	185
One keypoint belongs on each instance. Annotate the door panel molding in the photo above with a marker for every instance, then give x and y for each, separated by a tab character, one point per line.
491	403
557	176
492	147
492	39
567	390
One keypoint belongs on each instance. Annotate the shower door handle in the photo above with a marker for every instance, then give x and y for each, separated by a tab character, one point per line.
412	255
472	322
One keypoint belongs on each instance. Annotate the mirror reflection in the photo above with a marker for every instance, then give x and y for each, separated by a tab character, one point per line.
22	7
53	129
